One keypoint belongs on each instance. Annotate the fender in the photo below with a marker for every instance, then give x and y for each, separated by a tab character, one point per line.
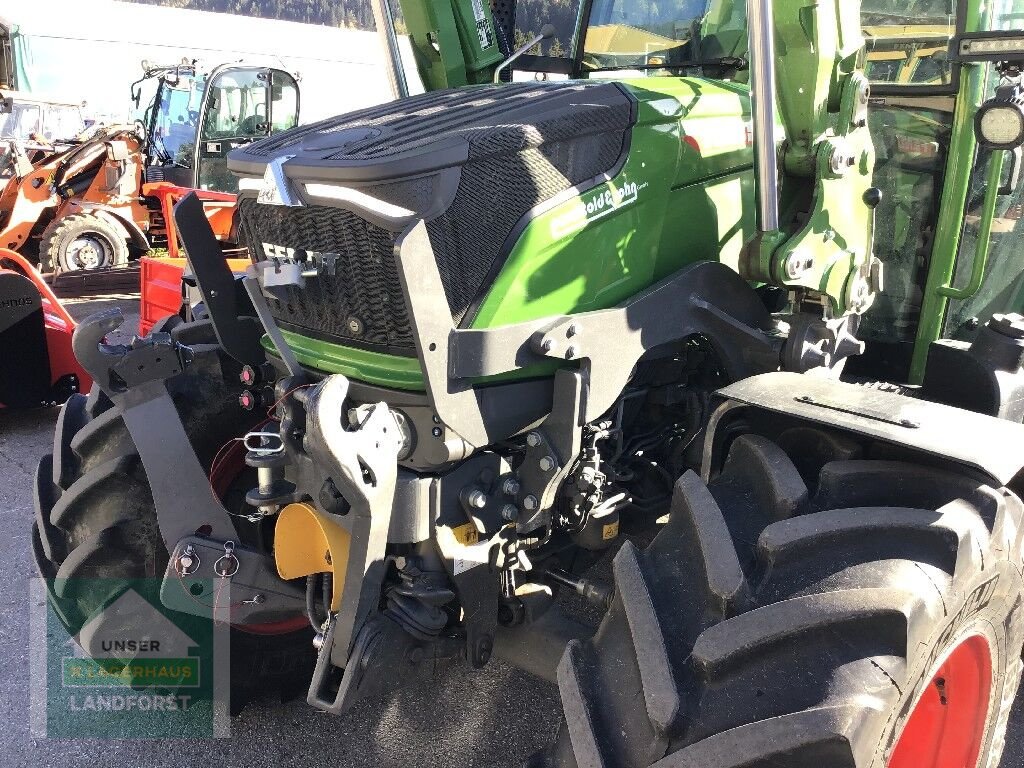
133	231
989	445
35	334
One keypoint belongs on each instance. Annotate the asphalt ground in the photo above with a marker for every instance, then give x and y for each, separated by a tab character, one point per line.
494	717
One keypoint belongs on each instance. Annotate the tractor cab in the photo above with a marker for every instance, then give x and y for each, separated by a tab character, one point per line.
197	117
947	229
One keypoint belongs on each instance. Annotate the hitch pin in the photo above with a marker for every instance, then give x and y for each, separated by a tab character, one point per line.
264	443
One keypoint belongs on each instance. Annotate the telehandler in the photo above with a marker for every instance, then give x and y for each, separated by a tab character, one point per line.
92	204
496	330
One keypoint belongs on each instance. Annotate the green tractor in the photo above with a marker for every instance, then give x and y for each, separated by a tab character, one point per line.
498	331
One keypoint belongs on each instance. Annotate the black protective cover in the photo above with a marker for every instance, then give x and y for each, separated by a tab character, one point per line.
476	163
25	370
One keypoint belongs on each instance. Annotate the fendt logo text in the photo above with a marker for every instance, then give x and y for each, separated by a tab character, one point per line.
324	262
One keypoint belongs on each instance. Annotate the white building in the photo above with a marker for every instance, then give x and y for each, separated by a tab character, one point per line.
91	50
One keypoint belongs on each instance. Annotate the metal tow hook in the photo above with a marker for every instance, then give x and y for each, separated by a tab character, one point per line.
118	367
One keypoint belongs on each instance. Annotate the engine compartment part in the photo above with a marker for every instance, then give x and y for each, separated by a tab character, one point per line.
308	542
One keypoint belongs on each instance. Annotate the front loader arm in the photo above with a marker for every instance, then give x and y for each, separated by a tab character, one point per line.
817	182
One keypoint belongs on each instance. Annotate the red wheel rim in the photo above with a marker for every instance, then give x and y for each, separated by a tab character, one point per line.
947	724
225	471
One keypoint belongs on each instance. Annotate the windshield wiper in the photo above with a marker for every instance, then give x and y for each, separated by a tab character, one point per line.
906	21
730	62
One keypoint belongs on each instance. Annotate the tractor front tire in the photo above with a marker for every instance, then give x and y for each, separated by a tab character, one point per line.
871	620
96	529
82	241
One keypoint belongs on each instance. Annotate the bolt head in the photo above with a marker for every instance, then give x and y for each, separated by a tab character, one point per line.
547	464
318	640
533	439
436	431
547	345
510	486
530	503
477	499
795	265
570	353
509	513
571	331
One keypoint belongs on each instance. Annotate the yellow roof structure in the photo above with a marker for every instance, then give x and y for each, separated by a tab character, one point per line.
623	38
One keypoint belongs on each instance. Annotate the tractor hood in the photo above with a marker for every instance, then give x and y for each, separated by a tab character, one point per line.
446	129
473	163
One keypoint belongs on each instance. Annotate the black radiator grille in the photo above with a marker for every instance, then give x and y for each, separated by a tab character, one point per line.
362	302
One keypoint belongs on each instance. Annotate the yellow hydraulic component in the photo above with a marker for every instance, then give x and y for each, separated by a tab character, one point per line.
306	541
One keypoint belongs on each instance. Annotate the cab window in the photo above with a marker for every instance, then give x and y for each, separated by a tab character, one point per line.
284	106
907	43
237	105
642	33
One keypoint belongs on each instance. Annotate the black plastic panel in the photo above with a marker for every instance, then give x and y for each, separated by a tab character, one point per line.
25	375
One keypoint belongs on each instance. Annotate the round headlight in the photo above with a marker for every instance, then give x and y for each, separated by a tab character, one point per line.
1000	125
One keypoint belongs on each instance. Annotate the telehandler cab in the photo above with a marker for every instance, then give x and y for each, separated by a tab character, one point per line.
494	331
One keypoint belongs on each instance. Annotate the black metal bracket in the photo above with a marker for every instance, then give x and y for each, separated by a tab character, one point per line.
551	451
134	377
200	568
118	367
234	321
477	582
